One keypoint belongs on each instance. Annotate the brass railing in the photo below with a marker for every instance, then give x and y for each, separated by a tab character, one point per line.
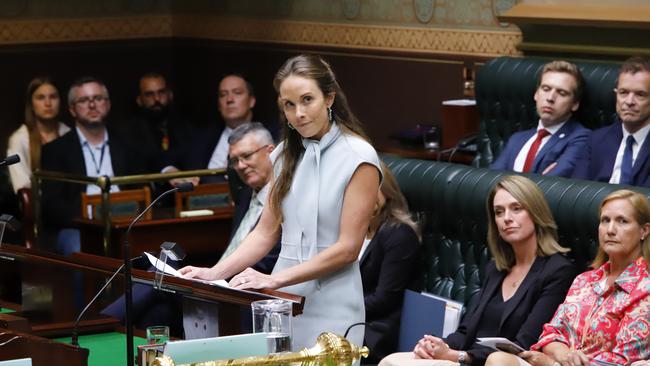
104	183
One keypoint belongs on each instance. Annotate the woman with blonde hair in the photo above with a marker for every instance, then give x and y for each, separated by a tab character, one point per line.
389	264
42	104
523	285
605	318
327	177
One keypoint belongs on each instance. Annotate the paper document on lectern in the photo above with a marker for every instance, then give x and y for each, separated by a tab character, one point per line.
169	270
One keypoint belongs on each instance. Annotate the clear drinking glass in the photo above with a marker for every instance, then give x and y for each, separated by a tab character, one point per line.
431	138
157	334
274	318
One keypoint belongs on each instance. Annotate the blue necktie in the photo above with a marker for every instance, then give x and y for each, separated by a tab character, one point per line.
626	164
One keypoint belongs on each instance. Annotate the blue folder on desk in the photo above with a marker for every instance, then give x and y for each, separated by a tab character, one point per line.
421	314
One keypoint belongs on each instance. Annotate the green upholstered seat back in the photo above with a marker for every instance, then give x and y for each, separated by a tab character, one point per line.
504	95
449	200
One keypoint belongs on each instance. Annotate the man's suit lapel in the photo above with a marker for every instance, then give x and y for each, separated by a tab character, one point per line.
641	160
77	158
558	137
520	294
608	150
518	145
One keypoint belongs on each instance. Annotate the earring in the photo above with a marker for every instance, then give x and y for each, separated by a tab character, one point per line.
329	114
290	126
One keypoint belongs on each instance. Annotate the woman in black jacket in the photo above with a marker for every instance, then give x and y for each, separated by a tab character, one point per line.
388	262
523	285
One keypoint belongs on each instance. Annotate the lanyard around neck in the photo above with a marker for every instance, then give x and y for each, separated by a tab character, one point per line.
98	167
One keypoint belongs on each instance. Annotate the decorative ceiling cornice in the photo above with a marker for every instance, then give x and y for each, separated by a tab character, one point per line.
425	40
84	29
421	40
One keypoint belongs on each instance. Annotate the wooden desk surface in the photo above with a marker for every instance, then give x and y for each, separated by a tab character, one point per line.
203	238
58	287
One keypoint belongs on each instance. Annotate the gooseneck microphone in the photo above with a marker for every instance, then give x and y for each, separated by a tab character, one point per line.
75	329
10	160
128	299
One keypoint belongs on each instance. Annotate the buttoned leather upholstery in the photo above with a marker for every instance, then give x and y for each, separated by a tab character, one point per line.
449	200
504	96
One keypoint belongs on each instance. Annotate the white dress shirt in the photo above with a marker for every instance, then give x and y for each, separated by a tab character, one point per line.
521	157
219	159
97	159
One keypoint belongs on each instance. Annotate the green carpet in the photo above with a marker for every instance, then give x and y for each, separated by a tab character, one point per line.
106	349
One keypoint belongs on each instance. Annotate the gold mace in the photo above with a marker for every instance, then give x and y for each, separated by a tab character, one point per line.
330	349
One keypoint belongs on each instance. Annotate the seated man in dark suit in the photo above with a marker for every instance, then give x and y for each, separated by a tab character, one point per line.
250	146
553	147
209	146
88	150
620	153
156	131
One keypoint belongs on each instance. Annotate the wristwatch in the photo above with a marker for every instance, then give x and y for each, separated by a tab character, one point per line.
462	355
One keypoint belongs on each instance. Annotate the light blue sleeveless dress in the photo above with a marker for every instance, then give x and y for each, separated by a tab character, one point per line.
312	212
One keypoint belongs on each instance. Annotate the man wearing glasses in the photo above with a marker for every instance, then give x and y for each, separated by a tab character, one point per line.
619	153
249	147
87	151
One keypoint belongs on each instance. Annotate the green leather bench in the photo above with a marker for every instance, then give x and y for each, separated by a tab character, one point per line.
449	200
504	97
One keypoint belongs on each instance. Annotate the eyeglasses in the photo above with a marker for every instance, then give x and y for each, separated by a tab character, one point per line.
640	95
234	161
97	99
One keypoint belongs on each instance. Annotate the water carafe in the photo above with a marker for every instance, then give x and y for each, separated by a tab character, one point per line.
274	318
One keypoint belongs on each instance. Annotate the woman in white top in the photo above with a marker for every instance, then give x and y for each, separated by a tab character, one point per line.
326	182
42	103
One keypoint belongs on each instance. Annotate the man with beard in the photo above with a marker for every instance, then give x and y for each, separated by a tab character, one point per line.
87	150
156	132
620	153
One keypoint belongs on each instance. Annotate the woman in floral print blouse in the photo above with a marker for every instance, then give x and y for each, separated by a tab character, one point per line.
605	318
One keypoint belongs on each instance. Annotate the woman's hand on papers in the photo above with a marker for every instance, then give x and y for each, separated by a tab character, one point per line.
202	273
431	347
252	279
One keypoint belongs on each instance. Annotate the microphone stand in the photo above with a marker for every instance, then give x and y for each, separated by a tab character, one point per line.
128	297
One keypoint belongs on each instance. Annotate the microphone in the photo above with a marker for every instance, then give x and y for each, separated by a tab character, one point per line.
75	329
10	160
128	299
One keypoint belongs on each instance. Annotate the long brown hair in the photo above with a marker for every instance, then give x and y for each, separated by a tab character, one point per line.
30	120
531	198
314	68
641	207
395	210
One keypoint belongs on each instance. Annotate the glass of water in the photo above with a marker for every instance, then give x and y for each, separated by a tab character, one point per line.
274	318
157	334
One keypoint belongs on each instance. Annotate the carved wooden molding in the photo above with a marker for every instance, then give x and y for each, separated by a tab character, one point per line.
364	37
421	40
86	29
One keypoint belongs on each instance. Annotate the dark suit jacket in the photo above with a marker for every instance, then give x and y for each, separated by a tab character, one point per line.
597	161
61	202
534	304
266	264
388	266
143	134
563	147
